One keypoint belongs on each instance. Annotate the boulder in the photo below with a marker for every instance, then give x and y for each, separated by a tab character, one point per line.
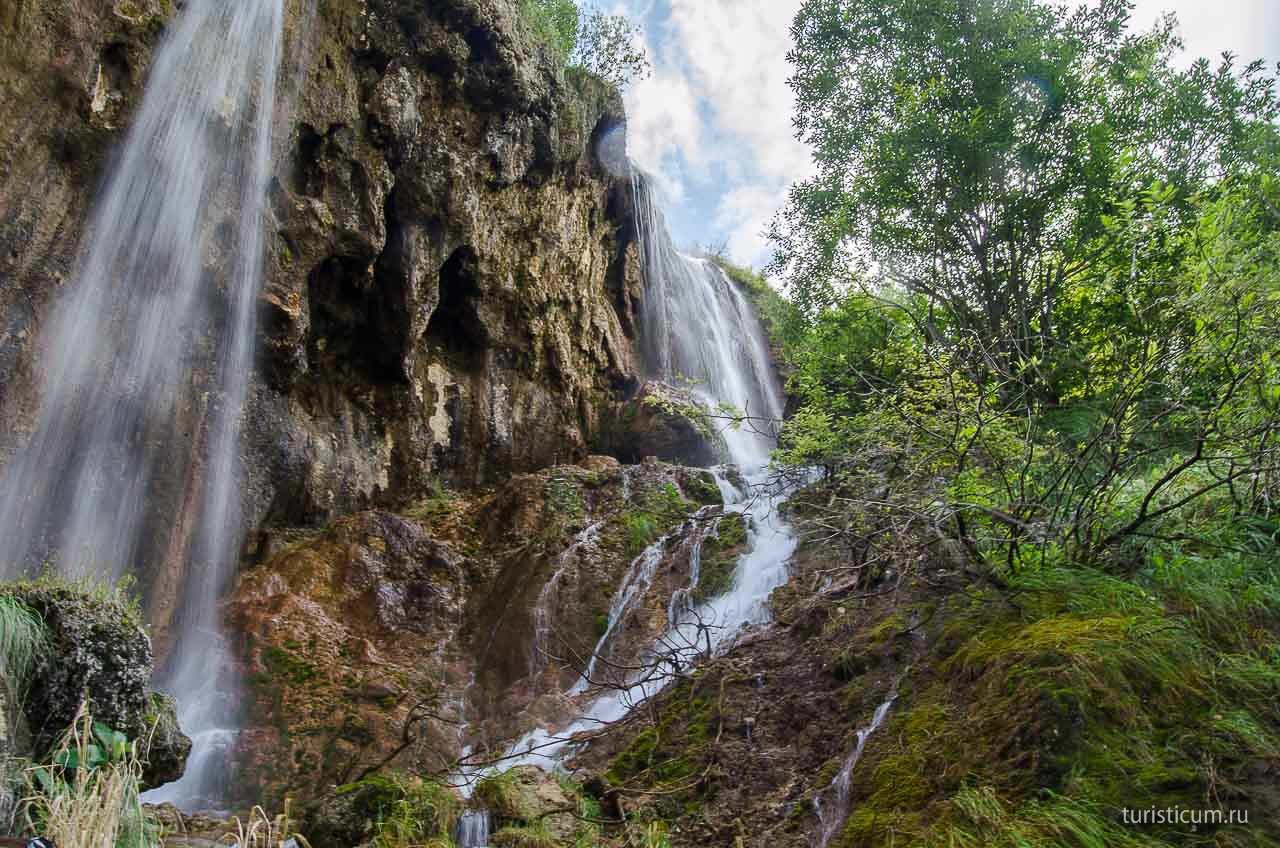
97	649
528	796
668	423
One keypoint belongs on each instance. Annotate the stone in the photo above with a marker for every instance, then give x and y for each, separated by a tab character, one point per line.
97	649
442	297
665	423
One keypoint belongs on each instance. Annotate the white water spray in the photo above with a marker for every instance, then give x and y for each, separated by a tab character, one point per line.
145	360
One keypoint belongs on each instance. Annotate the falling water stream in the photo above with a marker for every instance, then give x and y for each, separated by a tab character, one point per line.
832	803
145	359
700	330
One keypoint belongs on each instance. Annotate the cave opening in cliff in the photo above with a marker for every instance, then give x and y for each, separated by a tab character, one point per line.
455	327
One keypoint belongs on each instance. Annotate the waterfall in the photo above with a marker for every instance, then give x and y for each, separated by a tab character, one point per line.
132	462
698	328
832	803
635	584
472	830
539	651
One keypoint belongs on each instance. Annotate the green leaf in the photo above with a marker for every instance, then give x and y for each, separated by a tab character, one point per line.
45	778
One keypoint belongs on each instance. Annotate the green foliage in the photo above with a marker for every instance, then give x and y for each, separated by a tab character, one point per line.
22	639
1067	695
555	23
612	48
641	531
87	795
979	155
658	509
500	793
403	811
609	46
1038	270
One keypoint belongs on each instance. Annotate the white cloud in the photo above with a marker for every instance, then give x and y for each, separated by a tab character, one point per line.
743	215
664	129
1248	28
714	121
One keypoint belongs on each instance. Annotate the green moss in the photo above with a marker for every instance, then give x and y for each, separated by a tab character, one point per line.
564	498
286	667
641	530
1046	715
658	510
720	554
524	836
499	793
672	751
396	810
701	487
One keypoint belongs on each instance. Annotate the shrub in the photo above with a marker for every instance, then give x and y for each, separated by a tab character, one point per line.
606	45
87	795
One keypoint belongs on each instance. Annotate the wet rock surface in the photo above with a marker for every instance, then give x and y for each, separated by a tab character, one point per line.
398	638
668	423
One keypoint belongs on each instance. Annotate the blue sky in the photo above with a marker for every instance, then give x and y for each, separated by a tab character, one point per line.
713	123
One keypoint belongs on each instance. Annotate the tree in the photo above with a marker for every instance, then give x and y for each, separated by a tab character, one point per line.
972	152
556	23
610	47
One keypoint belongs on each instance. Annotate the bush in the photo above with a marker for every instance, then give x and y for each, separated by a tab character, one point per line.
87	795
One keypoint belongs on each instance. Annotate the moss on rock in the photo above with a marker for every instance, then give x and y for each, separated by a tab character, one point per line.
97	649
720	554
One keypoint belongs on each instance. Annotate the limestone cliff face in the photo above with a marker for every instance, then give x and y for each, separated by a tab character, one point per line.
448	287
439	298
70	73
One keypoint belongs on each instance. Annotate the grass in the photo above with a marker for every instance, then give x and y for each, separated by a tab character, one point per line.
22	639
406	811
89	807
1070	693
499	794
264	831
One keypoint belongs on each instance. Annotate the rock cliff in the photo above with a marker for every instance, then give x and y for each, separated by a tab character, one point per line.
449	295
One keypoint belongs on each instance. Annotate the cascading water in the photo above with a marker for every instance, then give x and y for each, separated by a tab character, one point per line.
832	804
147	355
473	828
699	329
540	650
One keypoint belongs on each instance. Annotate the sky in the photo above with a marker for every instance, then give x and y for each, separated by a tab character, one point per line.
713	122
